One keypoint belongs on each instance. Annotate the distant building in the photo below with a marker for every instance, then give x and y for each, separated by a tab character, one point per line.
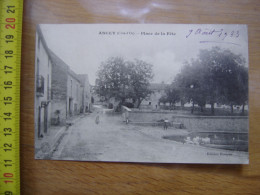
151	102
158	90
86	93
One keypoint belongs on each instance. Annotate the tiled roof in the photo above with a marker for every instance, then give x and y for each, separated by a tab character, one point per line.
59	62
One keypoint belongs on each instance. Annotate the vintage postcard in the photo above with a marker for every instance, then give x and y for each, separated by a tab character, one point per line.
157	93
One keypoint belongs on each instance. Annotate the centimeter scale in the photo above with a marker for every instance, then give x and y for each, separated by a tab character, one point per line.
10	61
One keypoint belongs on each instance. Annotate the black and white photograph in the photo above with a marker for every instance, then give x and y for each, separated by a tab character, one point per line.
149	93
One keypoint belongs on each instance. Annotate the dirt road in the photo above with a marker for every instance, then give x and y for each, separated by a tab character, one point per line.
113	140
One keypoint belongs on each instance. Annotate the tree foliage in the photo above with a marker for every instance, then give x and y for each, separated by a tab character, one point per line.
124	80
171	96
216	76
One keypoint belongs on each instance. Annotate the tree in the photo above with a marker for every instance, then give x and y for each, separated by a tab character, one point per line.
190	85
172	95
113	79
124	80
227	80
242	98
163	99
216	76
140	74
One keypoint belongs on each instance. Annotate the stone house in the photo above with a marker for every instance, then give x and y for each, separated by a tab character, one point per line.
43	78
70	91
152	102
60	92
86	93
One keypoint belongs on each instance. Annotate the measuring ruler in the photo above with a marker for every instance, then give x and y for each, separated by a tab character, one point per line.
11	12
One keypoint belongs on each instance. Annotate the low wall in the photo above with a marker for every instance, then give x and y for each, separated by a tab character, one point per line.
198	123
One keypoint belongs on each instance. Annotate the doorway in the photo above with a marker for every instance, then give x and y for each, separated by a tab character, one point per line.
45	123
39	122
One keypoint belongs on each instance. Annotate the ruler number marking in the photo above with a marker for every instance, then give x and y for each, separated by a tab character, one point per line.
8	131
10	20
10	53
8	163
9	176
8	116
10	9
8	85
7	69
7	147
9	38
7	100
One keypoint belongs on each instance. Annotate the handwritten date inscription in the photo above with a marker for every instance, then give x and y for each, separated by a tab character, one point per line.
219	33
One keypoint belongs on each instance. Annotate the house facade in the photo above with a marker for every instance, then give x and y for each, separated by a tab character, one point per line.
43	78
152	102
60	92
71	93
86	93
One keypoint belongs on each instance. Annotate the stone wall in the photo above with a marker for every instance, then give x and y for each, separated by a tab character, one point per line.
214	123
196	123
59	83
59	93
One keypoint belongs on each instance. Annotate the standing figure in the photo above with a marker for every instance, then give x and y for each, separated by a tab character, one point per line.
126	117
165	125
97	119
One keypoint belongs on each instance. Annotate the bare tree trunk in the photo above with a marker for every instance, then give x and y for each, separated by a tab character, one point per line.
243	109
212	109
192	109
182	104
139	101
231	106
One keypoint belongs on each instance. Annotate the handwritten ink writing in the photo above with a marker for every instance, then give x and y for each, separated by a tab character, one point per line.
221	33
198	31
190	31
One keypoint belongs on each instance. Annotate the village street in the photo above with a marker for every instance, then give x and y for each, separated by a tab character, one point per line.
113	140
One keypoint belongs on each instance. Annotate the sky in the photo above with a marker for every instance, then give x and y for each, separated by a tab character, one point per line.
166	46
